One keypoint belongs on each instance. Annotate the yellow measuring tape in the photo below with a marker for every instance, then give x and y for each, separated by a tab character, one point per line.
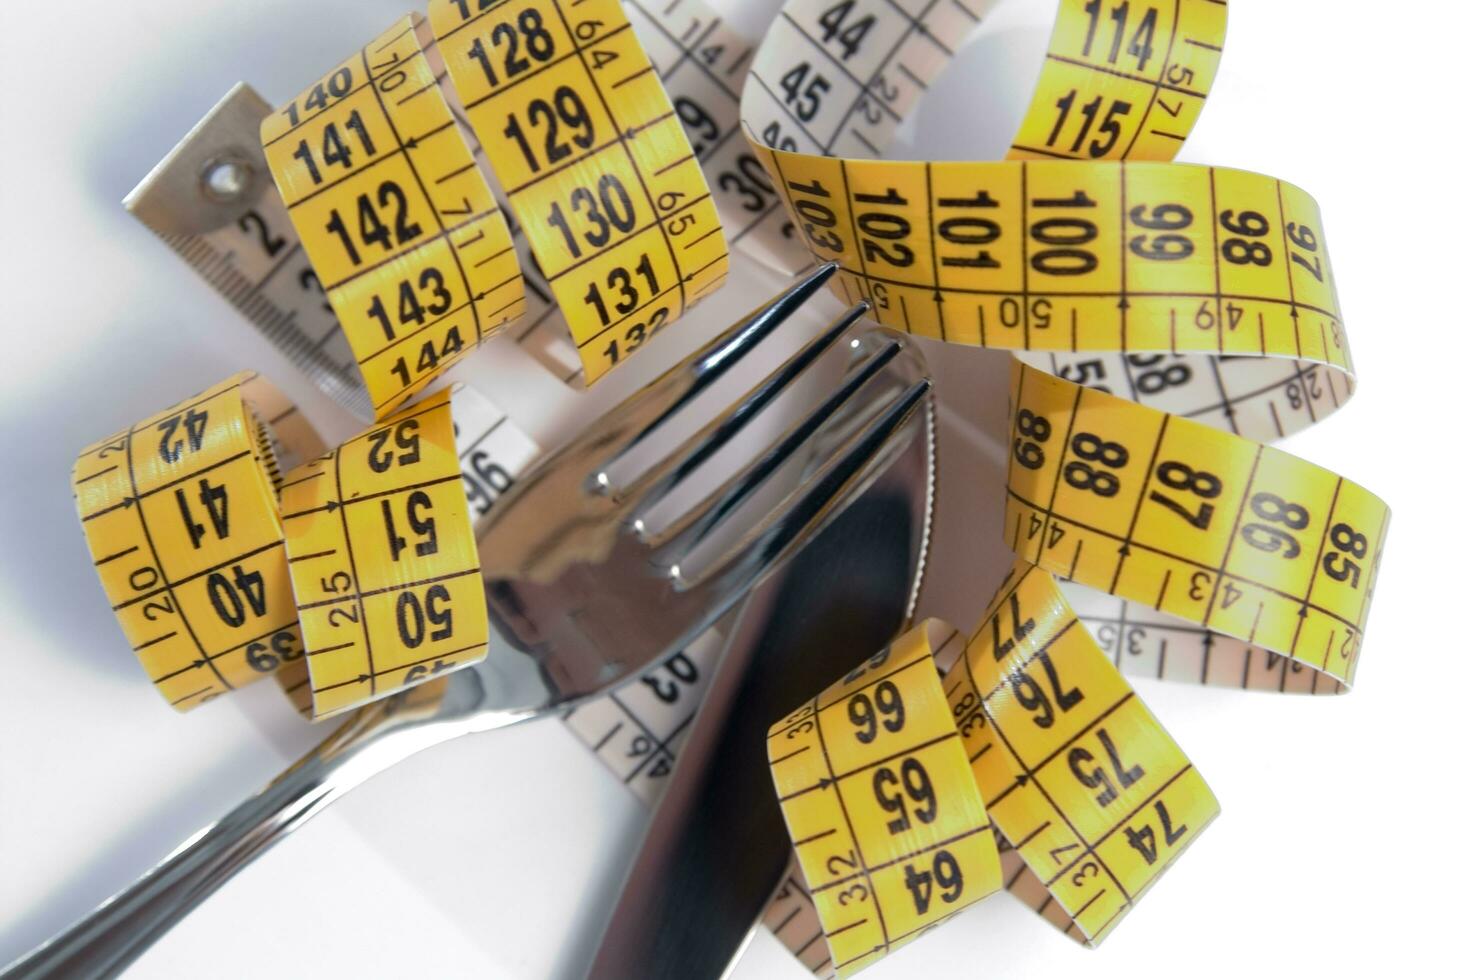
180	515
594	161
1168	299
873	778
400	225
1166	319
492	452
351	576
376	163
383	562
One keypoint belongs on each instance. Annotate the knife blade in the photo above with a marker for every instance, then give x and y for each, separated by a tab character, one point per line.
716	846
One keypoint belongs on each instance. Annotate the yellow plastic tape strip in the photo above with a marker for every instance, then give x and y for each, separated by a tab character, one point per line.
893	782
703	62
493	452
1123	82
1243	539
885	814
1066	262
700	62
1084	784
383	561
1204	296
401	226
1063	256
593	160
180	516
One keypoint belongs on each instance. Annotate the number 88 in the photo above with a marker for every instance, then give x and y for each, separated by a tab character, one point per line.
1093	449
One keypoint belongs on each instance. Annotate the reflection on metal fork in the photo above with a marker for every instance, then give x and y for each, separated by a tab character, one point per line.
716	843
580	597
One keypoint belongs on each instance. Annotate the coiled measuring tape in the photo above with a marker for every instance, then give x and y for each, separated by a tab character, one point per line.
400	226
180	516
399	219
1182	312
212	200
492	452
383	561
384	198
354	572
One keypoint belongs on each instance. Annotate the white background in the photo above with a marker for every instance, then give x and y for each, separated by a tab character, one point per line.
1342	845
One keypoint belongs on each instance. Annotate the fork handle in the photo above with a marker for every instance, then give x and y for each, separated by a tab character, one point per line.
124	926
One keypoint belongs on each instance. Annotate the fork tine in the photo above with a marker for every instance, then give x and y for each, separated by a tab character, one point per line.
805	511
706	517
705	367
666	475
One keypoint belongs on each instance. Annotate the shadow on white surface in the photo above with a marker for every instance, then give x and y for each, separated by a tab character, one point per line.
992	76
123	847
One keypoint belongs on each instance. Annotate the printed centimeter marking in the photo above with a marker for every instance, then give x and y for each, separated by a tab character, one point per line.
594	160
1079	777
1242	539
1060	256
886	818
400	223
180	515
383	561
1144	642
492	453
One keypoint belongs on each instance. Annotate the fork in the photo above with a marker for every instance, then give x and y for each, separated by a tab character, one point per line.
583	591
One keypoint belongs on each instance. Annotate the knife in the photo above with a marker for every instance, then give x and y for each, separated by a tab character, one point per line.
716	846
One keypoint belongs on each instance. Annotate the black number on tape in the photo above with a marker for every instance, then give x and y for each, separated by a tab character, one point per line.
234	597
566	109
406	439
417	507
892	791
410	615
863	712
334	150
372	229
947	874
217	507
1082	759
